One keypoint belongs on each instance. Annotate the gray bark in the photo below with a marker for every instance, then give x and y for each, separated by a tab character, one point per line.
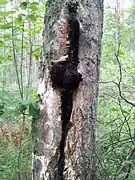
79	161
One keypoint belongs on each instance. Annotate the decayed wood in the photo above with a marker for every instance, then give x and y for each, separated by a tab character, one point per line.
80	139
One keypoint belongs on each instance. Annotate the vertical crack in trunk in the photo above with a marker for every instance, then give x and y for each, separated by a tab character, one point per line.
66	109
65	77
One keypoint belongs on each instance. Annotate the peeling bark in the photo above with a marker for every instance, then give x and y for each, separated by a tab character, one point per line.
64	137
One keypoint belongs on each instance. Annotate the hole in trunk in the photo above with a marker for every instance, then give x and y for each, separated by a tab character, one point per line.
65	77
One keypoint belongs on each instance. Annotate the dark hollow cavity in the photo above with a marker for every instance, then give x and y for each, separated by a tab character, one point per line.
65	77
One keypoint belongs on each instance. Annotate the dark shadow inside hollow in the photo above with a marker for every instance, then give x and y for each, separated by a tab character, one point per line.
64	76
66	109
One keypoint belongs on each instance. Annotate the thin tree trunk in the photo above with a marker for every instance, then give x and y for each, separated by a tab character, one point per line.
64	137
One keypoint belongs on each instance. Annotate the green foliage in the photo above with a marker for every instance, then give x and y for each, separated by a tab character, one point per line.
115	134
3	2
21	25
132	174
9	159
34	111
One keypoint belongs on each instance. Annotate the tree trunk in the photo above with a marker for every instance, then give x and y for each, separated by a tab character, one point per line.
64	137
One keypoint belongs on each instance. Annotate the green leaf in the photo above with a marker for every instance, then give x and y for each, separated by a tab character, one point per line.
114	109
19	20
1	19
24	5
6	36
1	112
115	62
122	54
32	18
124	111
15	39
1	58
37	54
6	13
34	6
3	2
25	102
34	110
2	44
36	31
129	67
9	57
106	49
1	107
32	94
6	26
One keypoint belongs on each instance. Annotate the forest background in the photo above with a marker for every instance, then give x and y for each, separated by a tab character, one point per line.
21	26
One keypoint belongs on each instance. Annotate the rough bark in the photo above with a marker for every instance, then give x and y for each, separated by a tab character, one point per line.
64	138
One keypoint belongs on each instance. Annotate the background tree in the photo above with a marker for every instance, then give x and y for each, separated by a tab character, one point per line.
20	44
64	138
115	134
